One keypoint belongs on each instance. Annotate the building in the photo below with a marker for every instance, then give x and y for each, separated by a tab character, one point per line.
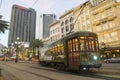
82	17
66	22
96	2
55	31
106	23
22	24
99	16
45	21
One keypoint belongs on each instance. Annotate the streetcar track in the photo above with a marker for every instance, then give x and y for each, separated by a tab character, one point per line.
92	71
83	74
11	76
32	73
86	74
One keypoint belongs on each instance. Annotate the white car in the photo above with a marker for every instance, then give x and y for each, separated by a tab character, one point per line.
112	60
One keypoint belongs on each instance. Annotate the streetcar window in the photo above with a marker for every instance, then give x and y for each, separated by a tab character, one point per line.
82	43
91	45
70	46
75	44
82	46
58	49
88	44
62	48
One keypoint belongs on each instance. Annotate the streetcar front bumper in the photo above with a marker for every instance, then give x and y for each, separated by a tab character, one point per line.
88	66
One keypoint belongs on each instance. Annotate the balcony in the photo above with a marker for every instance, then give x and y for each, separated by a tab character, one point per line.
104	19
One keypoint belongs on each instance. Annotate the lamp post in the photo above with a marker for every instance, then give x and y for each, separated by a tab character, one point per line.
17	43
103	45
5	52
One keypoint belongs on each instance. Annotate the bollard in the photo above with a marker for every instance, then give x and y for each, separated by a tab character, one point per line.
0	74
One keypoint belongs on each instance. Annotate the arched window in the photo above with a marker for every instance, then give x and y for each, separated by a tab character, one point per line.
66	21
71	26
71	19
62	23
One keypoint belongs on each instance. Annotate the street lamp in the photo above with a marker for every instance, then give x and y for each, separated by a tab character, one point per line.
5	52
103	46
17	43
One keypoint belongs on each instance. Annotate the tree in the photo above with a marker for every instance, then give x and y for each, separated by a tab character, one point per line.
3	25
36	44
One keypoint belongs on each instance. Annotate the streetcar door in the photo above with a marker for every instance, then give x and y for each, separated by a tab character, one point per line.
73	53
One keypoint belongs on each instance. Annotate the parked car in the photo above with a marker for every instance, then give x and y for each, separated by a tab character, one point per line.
112	60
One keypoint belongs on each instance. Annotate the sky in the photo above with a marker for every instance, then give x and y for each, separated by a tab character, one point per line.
57	7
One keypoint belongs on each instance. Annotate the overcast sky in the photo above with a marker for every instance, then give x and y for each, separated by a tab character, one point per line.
41	7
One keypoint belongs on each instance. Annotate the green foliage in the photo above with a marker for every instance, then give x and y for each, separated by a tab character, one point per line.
36	43
3	26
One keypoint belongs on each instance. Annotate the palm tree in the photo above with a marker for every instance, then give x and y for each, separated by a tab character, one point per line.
3	25
36	44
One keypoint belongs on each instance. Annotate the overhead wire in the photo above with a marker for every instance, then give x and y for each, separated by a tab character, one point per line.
34	3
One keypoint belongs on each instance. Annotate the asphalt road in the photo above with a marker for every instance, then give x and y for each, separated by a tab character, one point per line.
34	71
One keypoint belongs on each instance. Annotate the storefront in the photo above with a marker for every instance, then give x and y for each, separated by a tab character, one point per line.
110	52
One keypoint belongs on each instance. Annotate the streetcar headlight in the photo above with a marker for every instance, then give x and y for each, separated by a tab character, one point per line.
95	57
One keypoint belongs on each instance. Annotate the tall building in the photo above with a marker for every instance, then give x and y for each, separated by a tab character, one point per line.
45	21
22	24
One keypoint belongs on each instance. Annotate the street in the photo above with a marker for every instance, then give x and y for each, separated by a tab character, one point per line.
34	71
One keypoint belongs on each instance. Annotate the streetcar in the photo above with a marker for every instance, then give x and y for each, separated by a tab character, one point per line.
76	51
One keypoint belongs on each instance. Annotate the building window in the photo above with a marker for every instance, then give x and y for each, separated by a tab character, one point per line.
88	27
71	19
87	17
105	26
66	21
62	30
114	36
99	28
67	28
58	29
101	39
51	32
108	11
71	26
111	24
51	39
97	16
82	19
107	37
62	23
83	27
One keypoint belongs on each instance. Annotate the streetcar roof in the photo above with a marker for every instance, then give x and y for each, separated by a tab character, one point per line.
71	35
